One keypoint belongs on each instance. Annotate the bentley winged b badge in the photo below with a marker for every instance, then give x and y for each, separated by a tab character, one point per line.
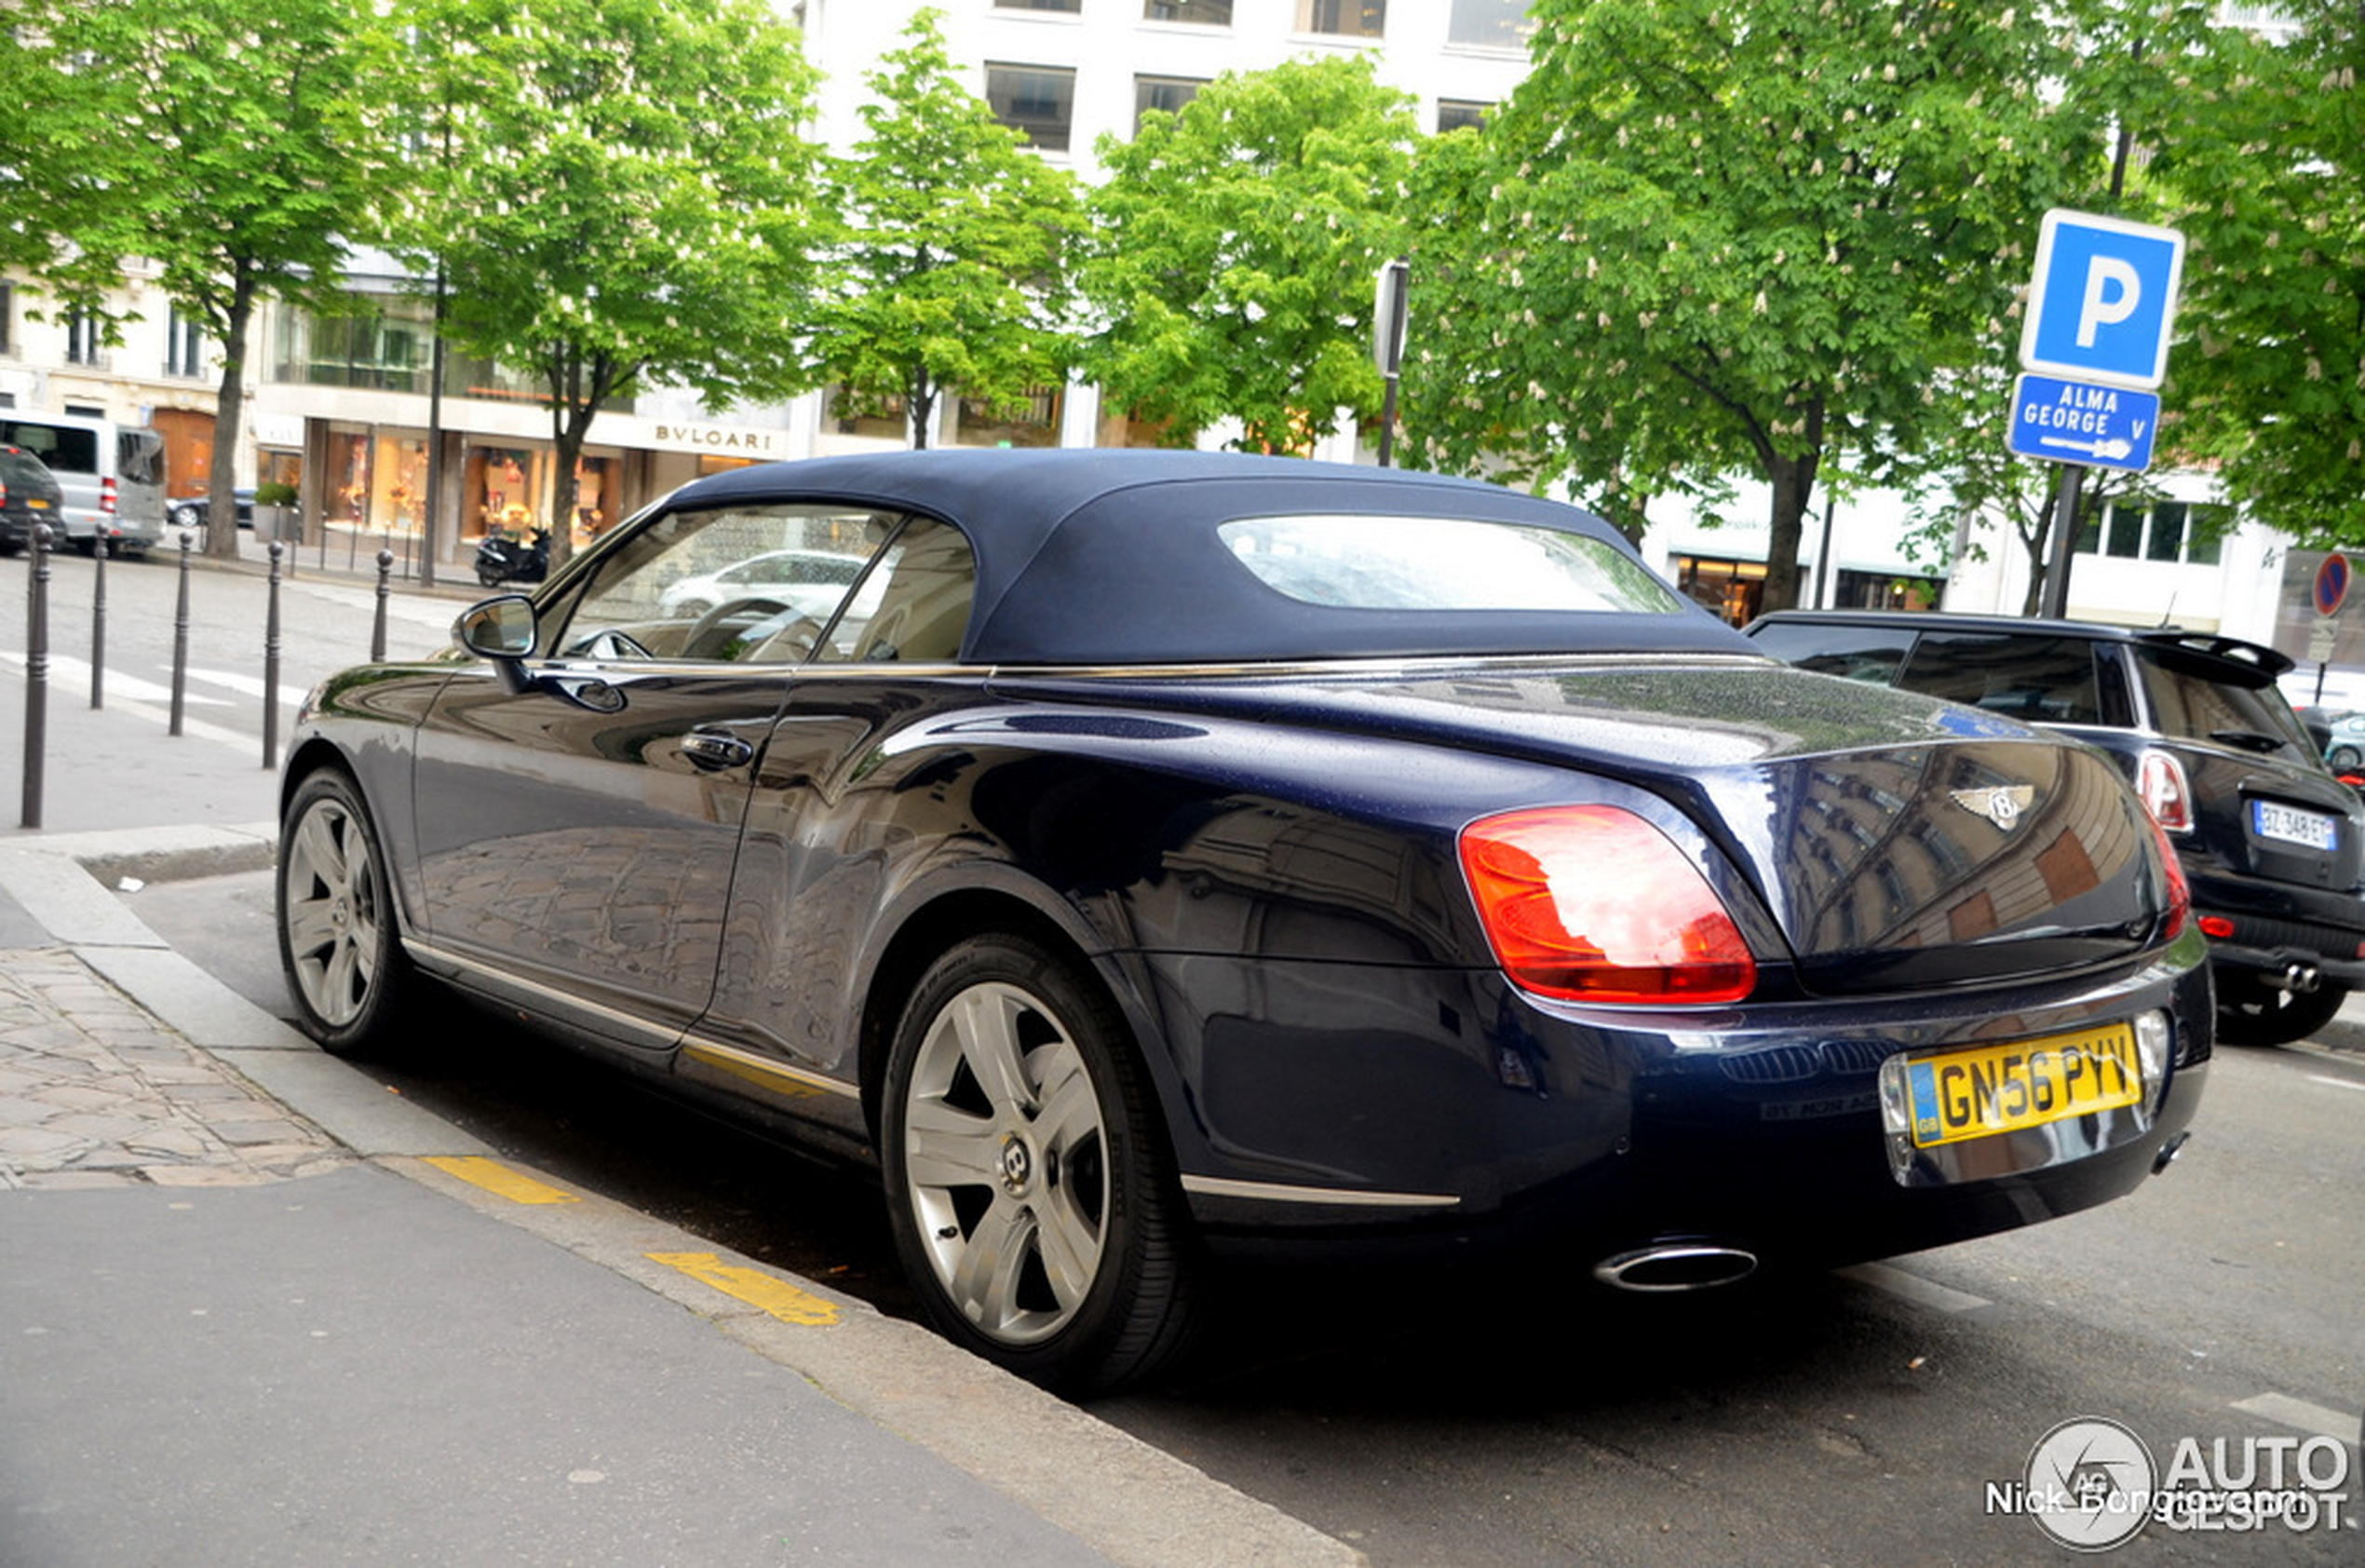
2000	804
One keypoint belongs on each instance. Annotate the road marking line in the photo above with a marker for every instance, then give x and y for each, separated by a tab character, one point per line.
2336	1083
2283	1409
1914	1289
759	1289
499	1180
65	669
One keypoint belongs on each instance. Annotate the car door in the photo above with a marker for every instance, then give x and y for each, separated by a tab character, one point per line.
578	829
834	819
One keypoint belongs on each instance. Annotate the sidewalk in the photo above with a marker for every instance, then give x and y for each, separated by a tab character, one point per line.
256	1309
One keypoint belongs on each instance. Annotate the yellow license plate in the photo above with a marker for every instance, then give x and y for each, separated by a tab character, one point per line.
36	505
2002	1089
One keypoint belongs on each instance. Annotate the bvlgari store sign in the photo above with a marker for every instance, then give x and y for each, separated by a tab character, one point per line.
721	440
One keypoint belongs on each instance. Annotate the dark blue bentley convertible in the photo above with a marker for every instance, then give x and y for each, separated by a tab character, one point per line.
1153	853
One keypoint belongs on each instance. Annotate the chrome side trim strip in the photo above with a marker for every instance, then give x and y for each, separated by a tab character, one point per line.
1337	1198
764	1070
1411	664
500	980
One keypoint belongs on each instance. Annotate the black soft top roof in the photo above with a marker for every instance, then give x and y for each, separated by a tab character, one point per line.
1112	557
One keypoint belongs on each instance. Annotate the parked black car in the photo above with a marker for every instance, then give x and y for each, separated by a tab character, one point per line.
191	511
1150	852
29	496
2270	840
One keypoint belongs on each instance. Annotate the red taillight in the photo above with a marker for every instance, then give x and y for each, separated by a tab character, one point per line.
2180	892
2217	928
2159	778
106	495
1591	903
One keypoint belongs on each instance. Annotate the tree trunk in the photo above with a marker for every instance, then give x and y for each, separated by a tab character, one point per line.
1792	479
221	510
922	396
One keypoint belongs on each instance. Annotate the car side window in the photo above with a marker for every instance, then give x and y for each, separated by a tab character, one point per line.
2037	679
913	606
1859	653
739	585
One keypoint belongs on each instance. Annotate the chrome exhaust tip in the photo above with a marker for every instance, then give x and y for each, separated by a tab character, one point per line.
1676	1266
2169	1151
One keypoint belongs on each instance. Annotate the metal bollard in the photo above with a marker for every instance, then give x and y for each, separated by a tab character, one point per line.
36	676
378	630
180	641
99	621
271	665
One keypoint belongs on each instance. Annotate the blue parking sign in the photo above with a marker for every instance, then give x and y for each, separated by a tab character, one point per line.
2102	301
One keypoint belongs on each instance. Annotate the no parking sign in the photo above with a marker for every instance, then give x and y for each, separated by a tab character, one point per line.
2331	584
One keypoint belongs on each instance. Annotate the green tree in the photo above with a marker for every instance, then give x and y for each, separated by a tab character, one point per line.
1708	237
953	273
221	140
1237	245
616	194
2263	170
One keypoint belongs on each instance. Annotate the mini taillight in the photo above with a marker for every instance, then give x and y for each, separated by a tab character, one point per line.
2159	778
2180	892
106	495
1591	903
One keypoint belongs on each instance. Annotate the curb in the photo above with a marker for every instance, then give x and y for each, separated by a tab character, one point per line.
1132	1501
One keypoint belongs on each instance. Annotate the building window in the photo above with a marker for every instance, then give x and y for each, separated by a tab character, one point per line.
1038	100
853	414
81	340
1068	6
2169	531
1735	590
1034	423
1489	24
183	346
7	320
1345	18
1453	113
1164	94
1209	13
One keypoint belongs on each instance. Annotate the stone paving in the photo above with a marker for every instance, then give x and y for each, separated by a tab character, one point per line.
94	1092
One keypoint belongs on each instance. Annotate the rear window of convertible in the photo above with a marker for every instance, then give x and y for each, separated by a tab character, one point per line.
1365	562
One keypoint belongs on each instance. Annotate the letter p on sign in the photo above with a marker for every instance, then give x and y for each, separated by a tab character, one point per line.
2102	300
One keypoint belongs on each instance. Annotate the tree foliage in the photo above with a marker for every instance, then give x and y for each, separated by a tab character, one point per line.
952	271
1704	237
616	194
1238	241
2263	170
221	140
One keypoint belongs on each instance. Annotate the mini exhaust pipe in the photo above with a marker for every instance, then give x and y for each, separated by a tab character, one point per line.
2299	978
2169	1151
1677	1265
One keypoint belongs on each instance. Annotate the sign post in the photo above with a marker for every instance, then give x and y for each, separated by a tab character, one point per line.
1387	341
2095	344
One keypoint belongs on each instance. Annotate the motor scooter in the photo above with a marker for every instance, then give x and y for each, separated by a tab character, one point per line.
502	559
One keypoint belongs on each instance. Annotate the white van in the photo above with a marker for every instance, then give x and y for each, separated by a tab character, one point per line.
111	475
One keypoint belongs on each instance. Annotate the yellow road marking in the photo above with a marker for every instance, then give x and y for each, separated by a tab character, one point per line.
754	1287
498	1179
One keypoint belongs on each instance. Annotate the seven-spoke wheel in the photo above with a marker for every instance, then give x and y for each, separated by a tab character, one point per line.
1029	1194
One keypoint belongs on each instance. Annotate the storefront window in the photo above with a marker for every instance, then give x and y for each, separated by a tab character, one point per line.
1033	422
347	498
596	479
502	491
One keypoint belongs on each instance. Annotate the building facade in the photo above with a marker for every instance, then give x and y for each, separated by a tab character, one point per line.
340	407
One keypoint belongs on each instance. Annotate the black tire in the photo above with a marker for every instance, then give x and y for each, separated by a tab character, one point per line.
339	943
2268	1017
488	576
184	517
2342	755
1044	1232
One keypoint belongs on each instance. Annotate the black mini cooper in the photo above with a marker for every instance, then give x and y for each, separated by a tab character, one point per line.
2270	839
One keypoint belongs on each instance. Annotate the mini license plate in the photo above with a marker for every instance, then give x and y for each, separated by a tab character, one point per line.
1960	1094
2290	825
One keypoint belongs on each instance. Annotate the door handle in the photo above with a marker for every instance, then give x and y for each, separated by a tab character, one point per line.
713	751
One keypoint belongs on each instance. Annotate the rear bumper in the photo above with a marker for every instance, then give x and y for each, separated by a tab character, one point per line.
1582	1136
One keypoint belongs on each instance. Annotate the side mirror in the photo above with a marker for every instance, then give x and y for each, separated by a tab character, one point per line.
498	629
501	630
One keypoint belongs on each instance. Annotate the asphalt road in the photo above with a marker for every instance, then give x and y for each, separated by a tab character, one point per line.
1443	1420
